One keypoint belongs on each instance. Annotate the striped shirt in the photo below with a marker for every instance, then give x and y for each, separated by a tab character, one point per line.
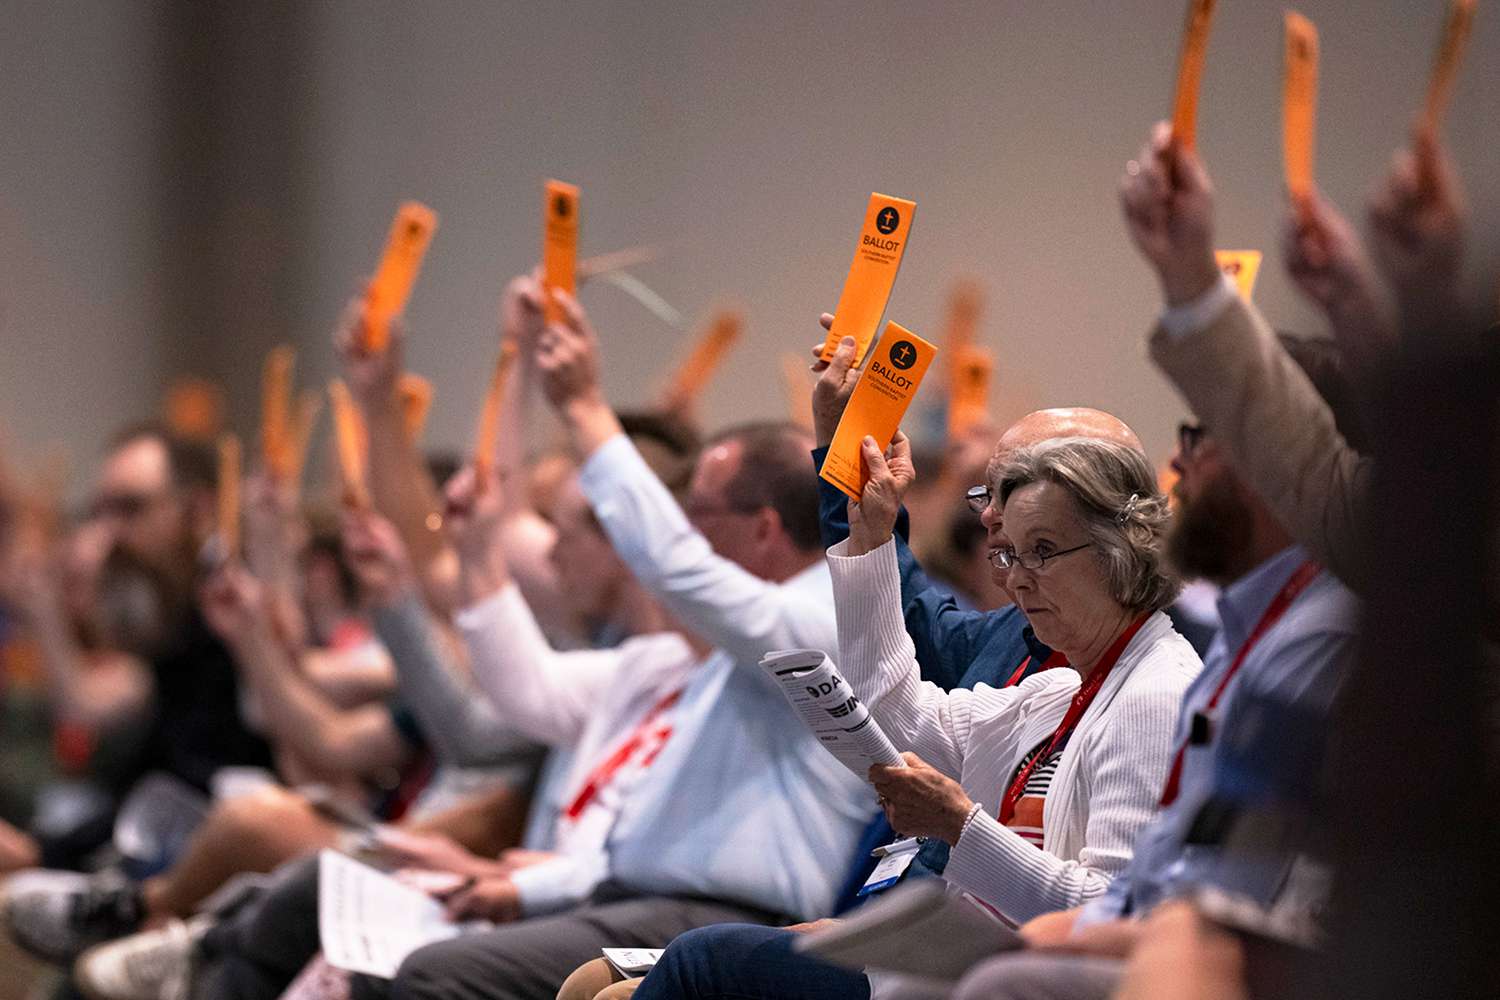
1027	820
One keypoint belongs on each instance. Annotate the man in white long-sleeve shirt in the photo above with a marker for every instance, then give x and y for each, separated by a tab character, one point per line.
732	810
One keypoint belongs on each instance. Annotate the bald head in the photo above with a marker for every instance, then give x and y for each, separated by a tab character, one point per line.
1067	421
1061	421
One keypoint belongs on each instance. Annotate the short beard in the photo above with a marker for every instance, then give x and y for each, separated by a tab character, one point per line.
1211	532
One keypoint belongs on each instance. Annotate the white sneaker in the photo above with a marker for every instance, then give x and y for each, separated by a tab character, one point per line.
55	915
151	965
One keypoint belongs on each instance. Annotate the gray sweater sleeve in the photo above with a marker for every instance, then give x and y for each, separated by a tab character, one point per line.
459	722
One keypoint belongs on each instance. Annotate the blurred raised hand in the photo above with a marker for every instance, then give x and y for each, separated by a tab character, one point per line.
1168	204
1417	223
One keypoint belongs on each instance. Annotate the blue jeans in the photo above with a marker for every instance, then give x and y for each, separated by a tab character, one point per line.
746	962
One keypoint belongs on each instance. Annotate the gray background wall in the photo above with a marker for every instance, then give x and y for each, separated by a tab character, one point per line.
181	187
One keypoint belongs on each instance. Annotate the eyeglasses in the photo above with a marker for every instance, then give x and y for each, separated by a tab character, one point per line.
979	498
1008	558
1189	437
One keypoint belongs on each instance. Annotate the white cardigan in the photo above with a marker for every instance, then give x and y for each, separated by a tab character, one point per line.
1107	784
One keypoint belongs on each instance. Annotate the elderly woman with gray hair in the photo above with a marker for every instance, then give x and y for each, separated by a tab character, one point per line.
1040	788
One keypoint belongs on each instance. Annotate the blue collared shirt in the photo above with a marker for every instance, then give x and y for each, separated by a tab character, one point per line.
1298	663
956	647
743	803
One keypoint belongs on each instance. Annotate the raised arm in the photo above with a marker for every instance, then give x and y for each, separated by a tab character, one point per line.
547	695
1417	232
400	485
716	598
347	741
1328	262
1227	363
464	729
947	637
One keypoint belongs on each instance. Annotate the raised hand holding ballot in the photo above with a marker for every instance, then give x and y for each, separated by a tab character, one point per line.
472	513
371	376
377	558
1167	201
1417	216
831	392
1326	259
886	387
872	518
568	356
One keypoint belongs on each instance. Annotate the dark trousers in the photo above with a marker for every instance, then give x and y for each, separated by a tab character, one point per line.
529	960
746	962
256	953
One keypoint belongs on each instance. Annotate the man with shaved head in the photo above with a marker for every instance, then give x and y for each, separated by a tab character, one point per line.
956	647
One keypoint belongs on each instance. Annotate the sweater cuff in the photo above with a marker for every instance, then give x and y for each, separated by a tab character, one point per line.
868	591
988	859
1200	313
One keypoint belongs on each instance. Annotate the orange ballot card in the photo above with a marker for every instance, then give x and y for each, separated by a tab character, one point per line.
488	437
969	397
1299	105
698	368
1450	55
349	440
405	247
229	494
877	258
879	401
559	243
1200	17
1241	265
415	395
276	411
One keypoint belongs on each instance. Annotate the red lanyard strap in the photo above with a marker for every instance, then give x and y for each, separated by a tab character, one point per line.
1080	704
1293	588
605	772
1056	659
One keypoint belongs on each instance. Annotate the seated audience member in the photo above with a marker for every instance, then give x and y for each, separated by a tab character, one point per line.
153	507
1041	788
1287	633
956	647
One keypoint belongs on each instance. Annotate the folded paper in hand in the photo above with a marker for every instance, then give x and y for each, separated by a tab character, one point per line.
369	922
827	704
918	929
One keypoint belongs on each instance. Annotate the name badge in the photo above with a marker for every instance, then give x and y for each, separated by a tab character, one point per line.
895	858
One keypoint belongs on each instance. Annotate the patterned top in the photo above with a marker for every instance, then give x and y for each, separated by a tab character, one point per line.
1027	821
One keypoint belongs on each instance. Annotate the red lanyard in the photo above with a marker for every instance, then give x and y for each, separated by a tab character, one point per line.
605	772
1081	702
1299	581
1056	659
